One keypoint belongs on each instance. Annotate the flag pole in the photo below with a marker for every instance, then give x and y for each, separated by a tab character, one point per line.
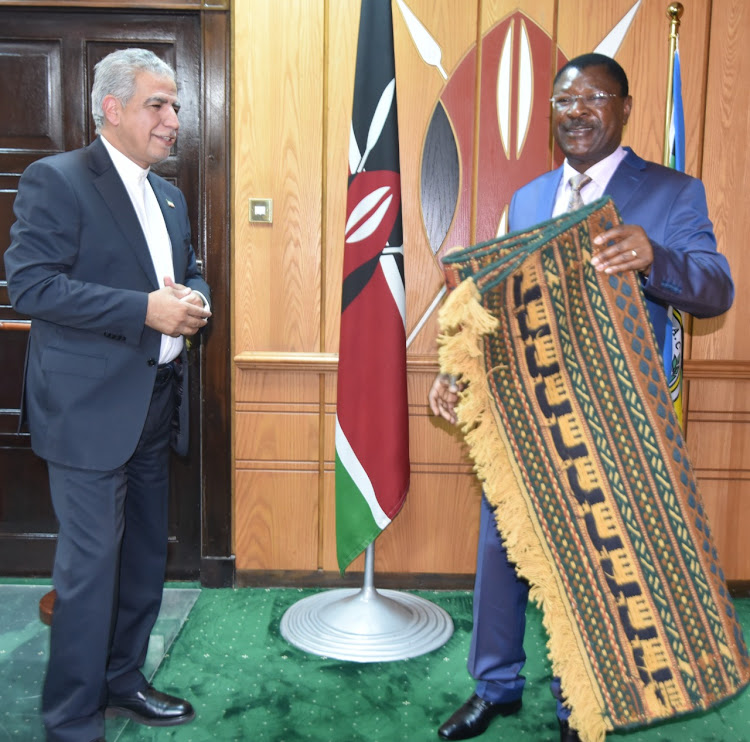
674	13
365	624
372	443
674	139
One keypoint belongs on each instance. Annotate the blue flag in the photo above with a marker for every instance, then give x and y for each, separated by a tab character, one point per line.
673	343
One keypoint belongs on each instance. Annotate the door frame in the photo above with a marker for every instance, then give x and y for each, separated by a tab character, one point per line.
217	559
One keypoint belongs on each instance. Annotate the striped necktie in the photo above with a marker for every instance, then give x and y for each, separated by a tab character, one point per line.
577	182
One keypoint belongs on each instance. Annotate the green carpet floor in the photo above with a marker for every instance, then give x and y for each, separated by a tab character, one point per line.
248	684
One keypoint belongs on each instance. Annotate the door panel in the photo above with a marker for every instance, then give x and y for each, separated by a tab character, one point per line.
46	69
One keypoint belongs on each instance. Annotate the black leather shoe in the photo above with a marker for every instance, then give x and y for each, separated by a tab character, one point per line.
151	707
566	733
474	717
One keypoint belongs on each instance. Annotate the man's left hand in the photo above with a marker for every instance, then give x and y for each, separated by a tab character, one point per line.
627	248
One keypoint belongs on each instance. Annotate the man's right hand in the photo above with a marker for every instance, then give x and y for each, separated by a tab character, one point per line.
443	397
170	314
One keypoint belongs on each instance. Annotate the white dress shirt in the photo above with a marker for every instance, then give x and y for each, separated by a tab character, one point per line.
600	173
154	229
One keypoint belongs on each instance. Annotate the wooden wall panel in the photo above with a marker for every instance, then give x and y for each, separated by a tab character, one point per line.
278	124
276	523
728	513
453	26
644	54
443	498
719	440
727	171
341	51
435	532
293	72
719	410
286	434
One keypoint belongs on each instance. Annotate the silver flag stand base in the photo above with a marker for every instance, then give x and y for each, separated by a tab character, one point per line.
366	625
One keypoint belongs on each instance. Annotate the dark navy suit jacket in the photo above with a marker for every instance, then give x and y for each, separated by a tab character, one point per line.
687	273
79	265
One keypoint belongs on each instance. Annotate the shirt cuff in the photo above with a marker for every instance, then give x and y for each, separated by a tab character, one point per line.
206	305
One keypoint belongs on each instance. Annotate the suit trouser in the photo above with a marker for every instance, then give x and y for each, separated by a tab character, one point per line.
496	655
108	575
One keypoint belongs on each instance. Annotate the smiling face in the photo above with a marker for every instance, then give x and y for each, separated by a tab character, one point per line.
586	134
146	127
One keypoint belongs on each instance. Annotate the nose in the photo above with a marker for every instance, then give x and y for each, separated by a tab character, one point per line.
578	106
170	119
577	111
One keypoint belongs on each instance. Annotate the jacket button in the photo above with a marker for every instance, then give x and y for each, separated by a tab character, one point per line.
151	362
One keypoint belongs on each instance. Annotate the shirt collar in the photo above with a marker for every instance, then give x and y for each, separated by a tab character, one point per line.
126	168
600	172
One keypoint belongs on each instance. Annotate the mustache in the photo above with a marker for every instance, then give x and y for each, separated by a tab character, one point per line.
574	126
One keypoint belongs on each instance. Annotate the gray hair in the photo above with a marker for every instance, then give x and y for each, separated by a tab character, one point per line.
115	75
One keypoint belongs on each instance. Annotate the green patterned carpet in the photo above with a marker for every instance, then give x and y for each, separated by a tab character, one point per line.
248	684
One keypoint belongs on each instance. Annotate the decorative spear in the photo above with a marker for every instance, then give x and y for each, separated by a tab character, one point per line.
426	45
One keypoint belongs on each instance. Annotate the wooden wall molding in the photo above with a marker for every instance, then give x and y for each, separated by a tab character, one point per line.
123	4
694	370
271	361
317	362
705	369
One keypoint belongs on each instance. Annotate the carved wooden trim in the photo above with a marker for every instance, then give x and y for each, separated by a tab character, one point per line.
271	361
316	362
123	4
729	370
328	362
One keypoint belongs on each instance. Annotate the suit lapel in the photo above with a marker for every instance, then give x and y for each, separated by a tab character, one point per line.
112	190
546	204
626	180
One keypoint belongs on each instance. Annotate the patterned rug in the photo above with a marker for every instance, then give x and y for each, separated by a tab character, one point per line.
568	419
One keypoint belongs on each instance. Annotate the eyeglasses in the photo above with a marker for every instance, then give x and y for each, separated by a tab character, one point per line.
590	100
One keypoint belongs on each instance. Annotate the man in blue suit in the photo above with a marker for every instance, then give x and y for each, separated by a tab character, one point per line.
101	260
668	238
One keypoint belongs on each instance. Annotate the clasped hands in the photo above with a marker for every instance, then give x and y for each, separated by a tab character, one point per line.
176	310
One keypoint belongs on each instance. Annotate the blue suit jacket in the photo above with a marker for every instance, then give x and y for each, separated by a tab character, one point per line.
687	273
79	265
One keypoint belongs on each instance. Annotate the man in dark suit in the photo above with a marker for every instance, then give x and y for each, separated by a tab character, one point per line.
668	237
101	260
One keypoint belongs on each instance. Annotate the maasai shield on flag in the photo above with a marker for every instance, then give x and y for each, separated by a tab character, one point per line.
673	344
372	422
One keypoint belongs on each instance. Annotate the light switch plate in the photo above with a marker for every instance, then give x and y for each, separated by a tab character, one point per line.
261	210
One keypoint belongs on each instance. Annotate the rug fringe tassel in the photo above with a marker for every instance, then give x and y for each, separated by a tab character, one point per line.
464	323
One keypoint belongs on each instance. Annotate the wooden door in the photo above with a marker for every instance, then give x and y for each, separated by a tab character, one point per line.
46	70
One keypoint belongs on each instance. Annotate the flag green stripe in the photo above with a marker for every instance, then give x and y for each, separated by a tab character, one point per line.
356	529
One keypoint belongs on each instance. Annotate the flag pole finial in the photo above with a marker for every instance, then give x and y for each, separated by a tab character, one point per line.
674	13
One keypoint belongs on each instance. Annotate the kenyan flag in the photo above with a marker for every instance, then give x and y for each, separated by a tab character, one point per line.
372	420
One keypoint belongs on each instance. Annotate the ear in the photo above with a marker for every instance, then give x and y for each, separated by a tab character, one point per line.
111	109
627	107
